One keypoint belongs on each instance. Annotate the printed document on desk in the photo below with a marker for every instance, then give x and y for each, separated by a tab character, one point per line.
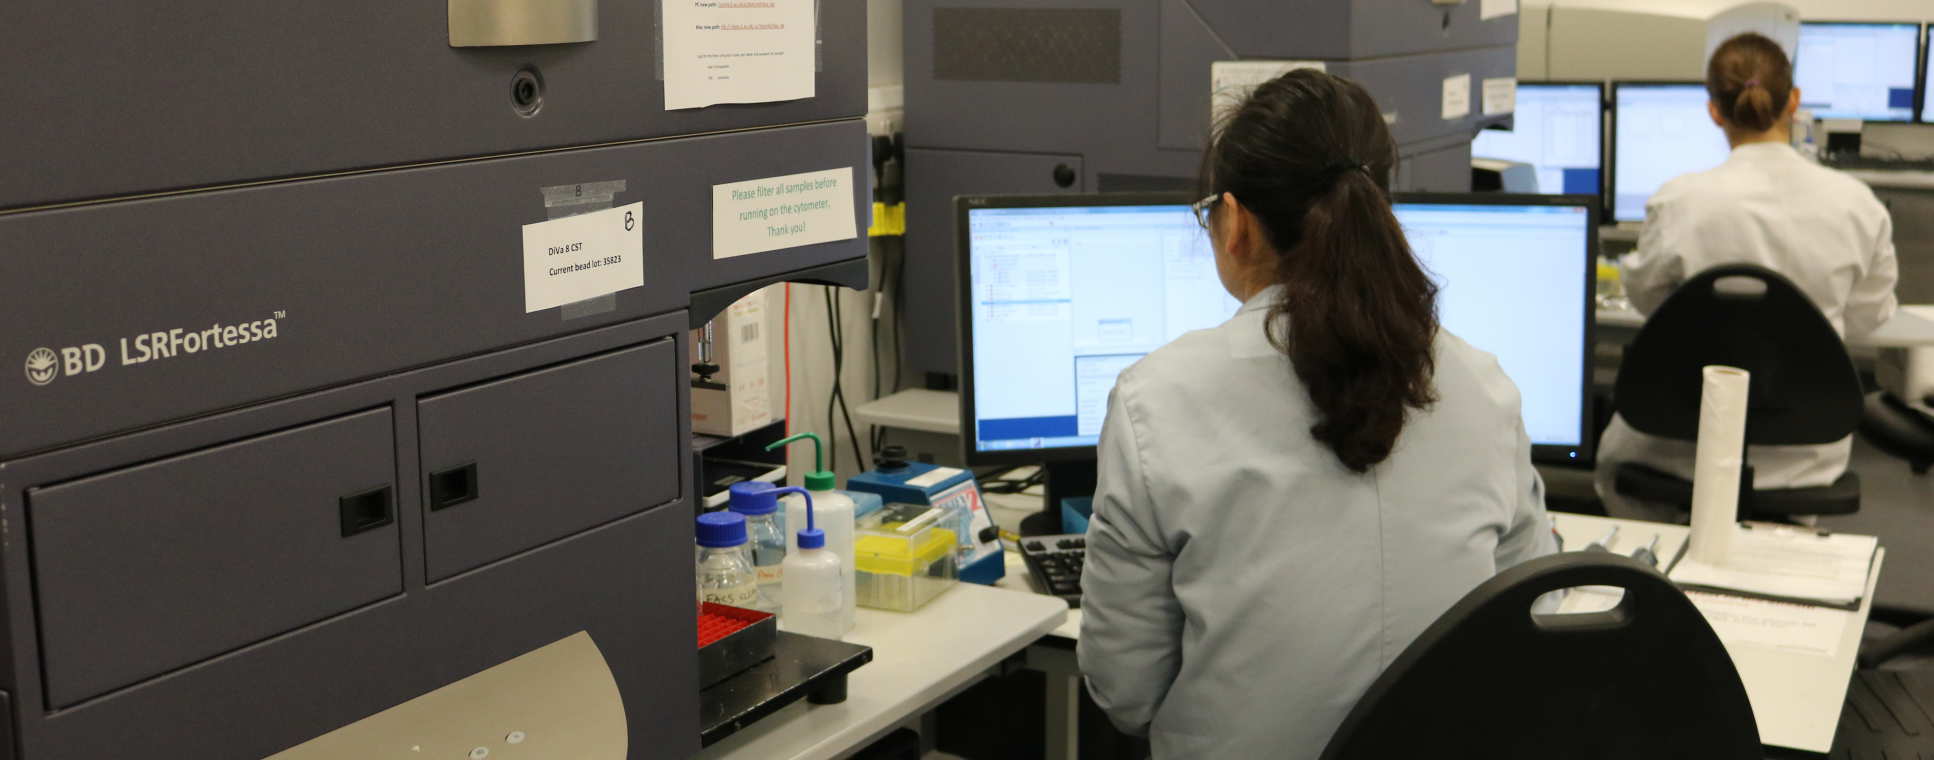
1790	564
738	51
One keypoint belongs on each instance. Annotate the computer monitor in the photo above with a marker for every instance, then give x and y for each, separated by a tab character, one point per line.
1063	292
1660	130
1858	70
1559	129
1516	277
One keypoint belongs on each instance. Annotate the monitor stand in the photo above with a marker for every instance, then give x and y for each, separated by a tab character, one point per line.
1065	480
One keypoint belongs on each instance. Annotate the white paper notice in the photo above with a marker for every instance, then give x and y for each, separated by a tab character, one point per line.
1802	628
737	51
782	212
1491	9
1231	81
582	257
1500	95
1457	97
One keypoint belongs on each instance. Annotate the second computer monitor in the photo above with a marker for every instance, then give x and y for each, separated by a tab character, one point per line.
1661	130
1857	70
1061	293
1927	74
1559	129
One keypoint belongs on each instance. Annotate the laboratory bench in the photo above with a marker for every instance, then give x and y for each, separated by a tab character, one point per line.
920	659
1795	661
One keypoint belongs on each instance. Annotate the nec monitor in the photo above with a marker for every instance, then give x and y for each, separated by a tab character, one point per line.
1559	129
1660	130
1063	292
1858	70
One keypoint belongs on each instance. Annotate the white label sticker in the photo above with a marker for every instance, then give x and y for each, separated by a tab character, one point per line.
1457	97
1230	82
1491	9
582	257
934	477
1500	95
762	215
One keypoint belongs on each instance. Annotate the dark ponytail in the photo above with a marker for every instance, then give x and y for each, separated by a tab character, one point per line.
1751	80
1310	155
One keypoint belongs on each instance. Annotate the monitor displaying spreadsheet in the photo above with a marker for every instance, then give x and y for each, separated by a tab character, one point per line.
1858	70
1660	131
1559	129
1062	293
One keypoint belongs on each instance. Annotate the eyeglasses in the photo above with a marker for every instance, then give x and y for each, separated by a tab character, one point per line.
1203	208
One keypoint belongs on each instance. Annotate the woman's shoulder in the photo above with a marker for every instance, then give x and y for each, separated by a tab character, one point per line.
1464	370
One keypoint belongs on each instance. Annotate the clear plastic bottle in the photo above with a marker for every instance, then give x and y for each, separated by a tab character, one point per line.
724	573
765	529
816	600
834	515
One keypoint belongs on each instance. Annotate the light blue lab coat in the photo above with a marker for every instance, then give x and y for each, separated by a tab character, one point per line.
1242	587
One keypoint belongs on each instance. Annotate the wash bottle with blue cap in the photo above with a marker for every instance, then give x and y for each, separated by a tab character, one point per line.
816	602
765	538
835	512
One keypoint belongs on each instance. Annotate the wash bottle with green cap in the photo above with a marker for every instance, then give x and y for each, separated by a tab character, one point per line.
832	513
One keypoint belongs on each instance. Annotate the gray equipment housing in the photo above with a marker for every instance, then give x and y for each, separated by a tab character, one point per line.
226	553
1114	95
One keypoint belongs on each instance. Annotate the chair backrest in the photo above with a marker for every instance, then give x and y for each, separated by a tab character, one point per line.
1646	679
1804	387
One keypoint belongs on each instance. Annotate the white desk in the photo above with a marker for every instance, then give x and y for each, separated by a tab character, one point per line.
920	659
1796	696
1910	328
1894	179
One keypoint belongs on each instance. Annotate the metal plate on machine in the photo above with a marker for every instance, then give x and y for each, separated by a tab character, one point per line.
484	23
558	701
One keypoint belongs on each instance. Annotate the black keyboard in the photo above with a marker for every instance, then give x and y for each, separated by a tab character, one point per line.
1054	565
1881	164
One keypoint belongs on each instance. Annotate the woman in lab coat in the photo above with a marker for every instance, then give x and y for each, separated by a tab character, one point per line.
1287	500
1766	205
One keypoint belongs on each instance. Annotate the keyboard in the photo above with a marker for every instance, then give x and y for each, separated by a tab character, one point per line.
1881	164
1054	565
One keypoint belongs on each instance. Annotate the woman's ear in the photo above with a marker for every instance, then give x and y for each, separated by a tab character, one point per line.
1712	109
1792	104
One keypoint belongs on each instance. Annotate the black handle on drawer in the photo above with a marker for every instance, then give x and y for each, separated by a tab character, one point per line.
454	486
366	511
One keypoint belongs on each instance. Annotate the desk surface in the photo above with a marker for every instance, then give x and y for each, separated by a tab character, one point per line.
1911	327
919	660
1891	178
1796	696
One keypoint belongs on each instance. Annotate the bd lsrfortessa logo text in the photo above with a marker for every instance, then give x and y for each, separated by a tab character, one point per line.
46	364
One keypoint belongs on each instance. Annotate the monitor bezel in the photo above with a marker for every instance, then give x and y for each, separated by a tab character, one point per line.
1920	47
1611	143
1580	455
1604	130
1923	87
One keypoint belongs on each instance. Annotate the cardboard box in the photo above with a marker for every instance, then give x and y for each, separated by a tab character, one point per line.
739	397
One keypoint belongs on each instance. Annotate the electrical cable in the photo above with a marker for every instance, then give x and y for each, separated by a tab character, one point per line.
785	331
839	364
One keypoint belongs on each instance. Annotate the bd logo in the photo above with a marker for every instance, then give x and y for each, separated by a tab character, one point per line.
42	366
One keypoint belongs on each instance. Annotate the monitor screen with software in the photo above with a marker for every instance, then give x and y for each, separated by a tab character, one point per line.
1660	131
1559	130
1062	293
1862	71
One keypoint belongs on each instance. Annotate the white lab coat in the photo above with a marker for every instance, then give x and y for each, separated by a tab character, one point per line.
1243	588
1770	206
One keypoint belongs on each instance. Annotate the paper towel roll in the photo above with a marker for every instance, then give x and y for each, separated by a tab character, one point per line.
1715	472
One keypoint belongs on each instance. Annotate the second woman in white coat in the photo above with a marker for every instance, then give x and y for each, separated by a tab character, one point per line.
1766	205
1287	500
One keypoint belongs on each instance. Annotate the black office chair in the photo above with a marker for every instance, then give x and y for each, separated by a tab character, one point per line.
1898	429
1804	389
1647	679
